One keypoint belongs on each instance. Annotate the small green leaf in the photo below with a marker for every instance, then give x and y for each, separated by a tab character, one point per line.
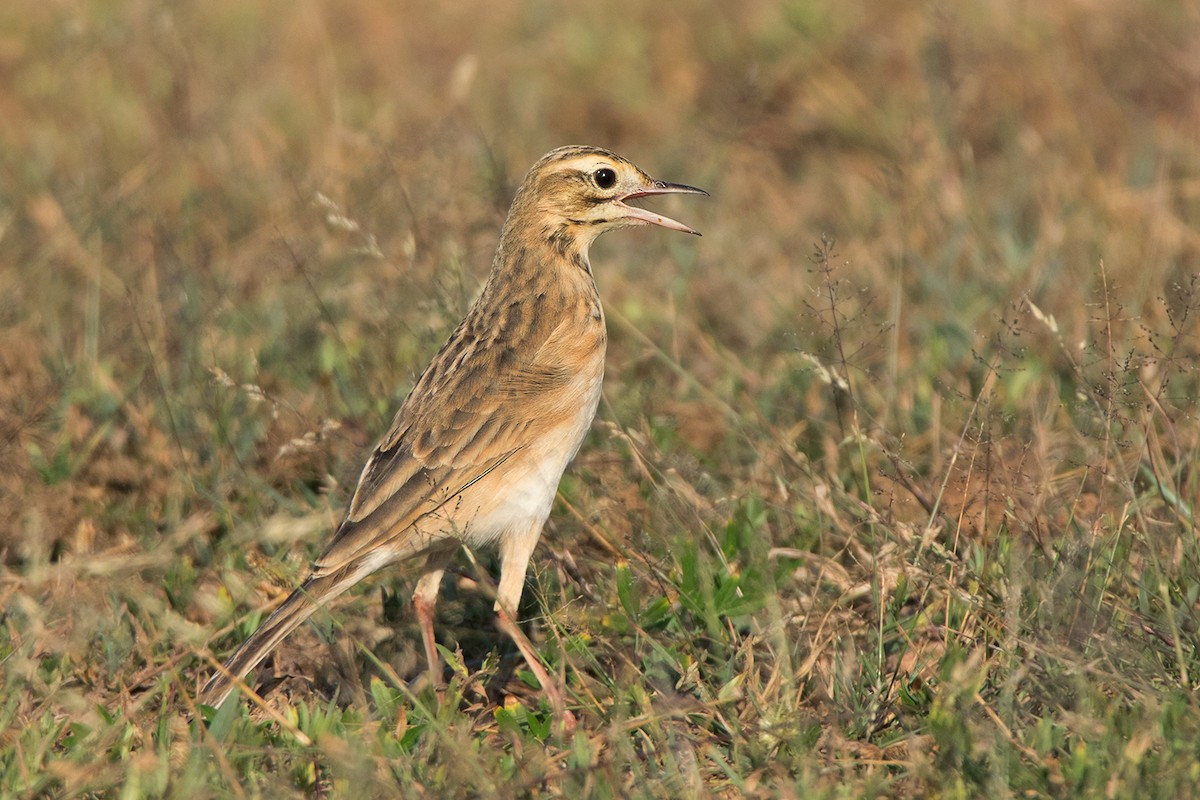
626	592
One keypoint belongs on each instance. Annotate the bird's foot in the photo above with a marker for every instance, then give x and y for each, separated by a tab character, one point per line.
564	719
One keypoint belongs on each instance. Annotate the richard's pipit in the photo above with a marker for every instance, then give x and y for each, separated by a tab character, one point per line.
475	453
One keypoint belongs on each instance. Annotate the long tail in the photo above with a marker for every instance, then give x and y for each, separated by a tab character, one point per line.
299	606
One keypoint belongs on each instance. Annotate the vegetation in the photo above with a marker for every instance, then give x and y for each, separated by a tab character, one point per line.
893	487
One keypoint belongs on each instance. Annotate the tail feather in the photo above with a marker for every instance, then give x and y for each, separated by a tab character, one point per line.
298	607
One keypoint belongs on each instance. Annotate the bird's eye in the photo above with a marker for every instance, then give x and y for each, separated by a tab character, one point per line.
605	177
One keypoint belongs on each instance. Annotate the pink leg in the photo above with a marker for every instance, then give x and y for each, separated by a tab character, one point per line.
509	627
425	601
515	551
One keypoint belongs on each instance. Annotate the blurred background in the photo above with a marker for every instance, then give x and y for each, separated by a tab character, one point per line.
934	354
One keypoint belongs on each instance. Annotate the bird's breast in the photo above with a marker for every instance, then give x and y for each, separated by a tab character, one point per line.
575	351
555	420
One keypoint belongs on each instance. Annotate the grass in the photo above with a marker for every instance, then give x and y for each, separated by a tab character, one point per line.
893	487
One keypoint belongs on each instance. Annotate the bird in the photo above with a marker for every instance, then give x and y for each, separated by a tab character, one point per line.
475	452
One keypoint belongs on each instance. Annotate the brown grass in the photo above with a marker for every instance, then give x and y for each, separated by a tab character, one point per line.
903	448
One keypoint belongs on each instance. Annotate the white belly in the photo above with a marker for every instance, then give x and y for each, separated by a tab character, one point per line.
519	496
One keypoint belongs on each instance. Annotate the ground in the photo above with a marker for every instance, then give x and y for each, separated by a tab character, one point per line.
893	484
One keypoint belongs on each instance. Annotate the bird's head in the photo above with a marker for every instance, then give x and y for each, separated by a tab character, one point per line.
576	193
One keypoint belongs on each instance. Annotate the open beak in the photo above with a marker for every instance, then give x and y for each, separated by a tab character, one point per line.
652	218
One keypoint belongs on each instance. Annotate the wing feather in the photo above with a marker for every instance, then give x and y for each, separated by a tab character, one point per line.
448	434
